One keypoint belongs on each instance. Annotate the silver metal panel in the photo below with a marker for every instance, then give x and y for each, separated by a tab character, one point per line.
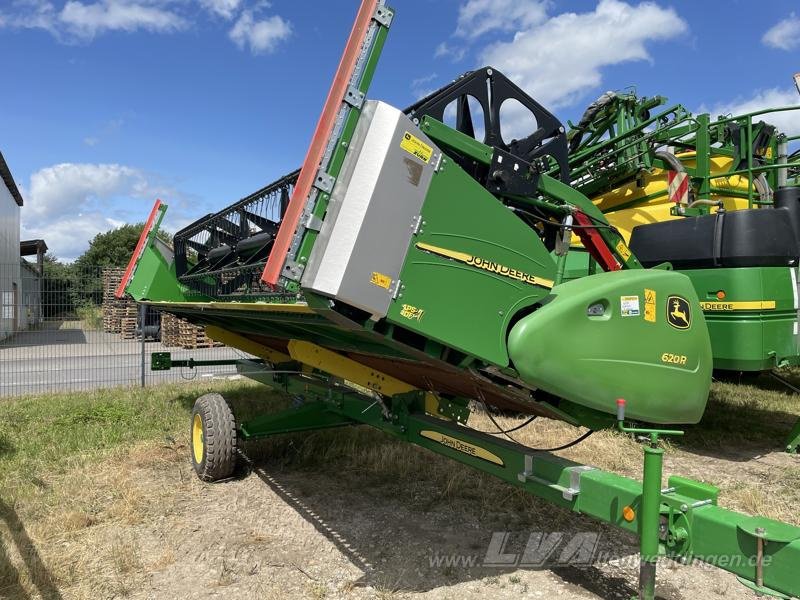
9	261
372	212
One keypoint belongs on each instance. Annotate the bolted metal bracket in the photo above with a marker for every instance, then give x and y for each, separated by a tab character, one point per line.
160	361
575	480
354	97
568	493
383	15
293	270
313	222
324	182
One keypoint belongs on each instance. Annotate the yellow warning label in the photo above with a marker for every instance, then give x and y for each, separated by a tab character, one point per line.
649	305
380	280
412	312
414	145
462	446
725	306
623	251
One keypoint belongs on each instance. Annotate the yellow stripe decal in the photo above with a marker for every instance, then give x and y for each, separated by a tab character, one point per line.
462	446
487	265
728	306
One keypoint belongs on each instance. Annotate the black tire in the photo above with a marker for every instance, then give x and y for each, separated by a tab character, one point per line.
213	438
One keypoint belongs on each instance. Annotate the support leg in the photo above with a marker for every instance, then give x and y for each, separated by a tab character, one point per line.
793	441
650	513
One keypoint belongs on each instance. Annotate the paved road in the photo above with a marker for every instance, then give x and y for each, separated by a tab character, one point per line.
66	359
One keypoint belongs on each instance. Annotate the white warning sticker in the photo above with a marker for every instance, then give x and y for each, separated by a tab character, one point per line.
629	306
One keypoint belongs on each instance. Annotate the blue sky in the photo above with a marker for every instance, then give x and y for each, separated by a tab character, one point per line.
106	104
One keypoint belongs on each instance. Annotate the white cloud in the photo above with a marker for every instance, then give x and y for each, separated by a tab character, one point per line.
67	204
223	8
421	86
561	59
87	20
71	21
36	14
784	35
788	121
69	238
455	53
477	17
261	36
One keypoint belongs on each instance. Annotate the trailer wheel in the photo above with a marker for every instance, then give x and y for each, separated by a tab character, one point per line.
213	434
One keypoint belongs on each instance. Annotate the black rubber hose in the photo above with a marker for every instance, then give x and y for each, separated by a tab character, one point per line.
671	160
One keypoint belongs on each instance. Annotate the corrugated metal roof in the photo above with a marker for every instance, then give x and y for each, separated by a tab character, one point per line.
5	175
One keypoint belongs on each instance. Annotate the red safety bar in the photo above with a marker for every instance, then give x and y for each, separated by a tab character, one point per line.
148	226
316	150
594	242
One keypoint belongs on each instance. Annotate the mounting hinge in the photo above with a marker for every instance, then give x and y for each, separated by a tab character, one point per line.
394	289
313	222
416	224
354	97
383	15
437	162
324	182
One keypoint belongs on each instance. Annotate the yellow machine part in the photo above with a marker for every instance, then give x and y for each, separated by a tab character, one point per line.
651	204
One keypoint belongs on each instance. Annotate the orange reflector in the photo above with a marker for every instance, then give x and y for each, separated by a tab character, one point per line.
720	295
628	514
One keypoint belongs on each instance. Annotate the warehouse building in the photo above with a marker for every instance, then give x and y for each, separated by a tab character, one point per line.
20	281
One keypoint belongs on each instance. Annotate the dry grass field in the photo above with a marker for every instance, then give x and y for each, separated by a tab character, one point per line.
98	500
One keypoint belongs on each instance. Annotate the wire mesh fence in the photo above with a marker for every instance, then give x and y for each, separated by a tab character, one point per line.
62	329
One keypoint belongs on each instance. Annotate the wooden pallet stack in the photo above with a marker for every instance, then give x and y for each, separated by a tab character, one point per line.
169	329
128	320
179	332
115	310
191	336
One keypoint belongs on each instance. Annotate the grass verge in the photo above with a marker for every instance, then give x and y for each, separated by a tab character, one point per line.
71	469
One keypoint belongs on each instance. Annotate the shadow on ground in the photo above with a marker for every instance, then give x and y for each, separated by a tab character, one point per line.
50	333
400	554
36	570
737	426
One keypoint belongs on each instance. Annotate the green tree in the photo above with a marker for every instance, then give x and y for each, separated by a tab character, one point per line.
57	284
112	248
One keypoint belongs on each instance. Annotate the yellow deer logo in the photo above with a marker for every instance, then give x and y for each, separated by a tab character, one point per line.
678	312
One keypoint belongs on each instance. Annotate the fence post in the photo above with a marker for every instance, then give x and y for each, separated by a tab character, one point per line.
142	312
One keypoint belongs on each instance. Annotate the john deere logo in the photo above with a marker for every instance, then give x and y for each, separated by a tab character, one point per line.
679	315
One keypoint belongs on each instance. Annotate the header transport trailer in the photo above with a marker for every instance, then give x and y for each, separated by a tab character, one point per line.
408	269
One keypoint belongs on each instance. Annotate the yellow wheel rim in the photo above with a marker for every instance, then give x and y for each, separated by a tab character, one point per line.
197	439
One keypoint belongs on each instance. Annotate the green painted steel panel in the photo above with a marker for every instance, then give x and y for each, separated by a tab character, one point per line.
749	339
660	366
467	307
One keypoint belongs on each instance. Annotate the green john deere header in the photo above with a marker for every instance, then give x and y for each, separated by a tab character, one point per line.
408	269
